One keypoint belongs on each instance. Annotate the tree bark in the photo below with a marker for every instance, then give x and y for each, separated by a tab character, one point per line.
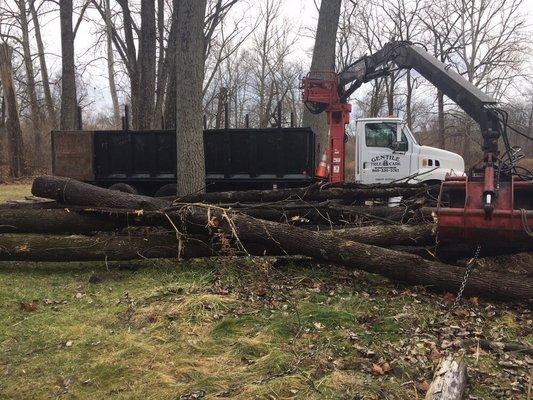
307	193
389	263
190	64
69	100
130	59
50	106
168	80
449	382
147	64
95	248
71	192
83	221
14	132
161	75
111	64
440	116
263	238
36	117
389	235
323	60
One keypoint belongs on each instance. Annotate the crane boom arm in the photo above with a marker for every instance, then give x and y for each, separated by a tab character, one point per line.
406	55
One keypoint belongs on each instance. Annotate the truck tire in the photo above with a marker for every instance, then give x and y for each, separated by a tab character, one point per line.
166	190
123	187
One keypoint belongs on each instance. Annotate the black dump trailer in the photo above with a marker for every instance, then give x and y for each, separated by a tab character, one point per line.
145	161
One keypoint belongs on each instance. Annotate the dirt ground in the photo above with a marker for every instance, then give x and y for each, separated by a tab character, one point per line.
243	328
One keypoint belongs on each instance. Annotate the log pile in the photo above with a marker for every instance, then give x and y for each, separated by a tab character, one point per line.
329	223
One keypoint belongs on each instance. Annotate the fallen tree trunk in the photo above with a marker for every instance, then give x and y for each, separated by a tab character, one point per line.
313	192
387	235
109	247
392	264
84	221
449	381
97	248
292	240
61	221
72	192
258	237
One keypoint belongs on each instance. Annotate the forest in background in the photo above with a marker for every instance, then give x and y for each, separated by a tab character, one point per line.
253	60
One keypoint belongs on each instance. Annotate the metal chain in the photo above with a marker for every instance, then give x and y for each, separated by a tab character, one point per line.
469	268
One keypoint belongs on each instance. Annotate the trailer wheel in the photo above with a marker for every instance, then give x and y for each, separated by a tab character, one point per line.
166	190
123	187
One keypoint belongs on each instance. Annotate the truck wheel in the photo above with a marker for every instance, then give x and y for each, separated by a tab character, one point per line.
123	187
167	190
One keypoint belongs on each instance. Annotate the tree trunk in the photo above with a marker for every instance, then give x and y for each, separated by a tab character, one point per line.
130	59
36	117
147	64
440	113
189	80
245	230
449	382
169	86
14	132
408	101
389	235
222	99
313	192
323	60
389	263
69	100
390	85
111	64
83	221
49	101
161	73
95	248
72	192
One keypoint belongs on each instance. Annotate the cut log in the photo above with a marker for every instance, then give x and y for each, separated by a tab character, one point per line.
449	381
61	221
72	192
96	248
109	247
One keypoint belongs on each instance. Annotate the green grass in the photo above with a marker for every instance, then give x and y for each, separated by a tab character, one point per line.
13	192
235	328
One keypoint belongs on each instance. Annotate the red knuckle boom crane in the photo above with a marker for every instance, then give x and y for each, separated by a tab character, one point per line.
495	201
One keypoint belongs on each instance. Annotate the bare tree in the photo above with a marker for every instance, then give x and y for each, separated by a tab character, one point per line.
323	59
69	101
16	146
190	75
111	63
35	116
439	21
45	80
143	119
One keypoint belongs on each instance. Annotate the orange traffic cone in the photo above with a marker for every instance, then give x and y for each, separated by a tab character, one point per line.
322	171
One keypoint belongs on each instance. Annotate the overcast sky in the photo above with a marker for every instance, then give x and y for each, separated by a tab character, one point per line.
300	14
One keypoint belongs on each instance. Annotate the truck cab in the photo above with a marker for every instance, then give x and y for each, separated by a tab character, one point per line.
387	151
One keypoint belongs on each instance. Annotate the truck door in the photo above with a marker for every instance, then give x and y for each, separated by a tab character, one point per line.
383	158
